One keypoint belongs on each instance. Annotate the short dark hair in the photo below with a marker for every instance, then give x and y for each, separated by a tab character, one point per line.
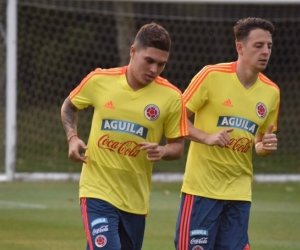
244	26
153	35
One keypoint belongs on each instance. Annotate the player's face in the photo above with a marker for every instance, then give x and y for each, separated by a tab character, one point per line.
256	49
146	64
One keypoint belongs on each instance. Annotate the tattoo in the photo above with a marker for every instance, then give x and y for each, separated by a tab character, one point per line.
69	117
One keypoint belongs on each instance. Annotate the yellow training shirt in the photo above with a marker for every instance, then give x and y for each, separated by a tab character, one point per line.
117	171
220	101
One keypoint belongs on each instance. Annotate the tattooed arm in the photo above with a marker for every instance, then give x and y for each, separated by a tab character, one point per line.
69	117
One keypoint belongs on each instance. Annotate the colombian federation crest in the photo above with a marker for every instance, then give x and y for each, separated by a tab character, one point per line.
151	112
100	241
197	248
261	110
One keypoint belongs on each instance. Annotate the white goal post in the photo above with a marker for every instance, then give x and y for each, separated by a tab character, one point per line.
11	85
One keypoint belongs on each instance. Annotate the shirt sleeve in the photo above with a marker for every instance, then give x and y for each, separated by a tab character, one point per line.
176	123
197	93
82	96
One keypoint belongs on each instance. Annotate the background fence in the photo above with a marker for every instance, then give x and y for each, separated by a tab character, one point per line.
59	42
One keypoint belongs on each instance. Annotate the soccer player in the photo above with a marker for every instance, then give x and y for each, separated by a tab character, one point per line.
236	107
133	108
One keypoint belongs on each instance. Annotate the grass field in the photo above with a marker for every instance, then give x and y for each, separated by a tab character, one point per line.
45	215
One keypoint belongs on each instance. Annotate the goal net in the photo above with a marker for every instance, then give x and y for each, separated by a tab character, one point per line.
60	42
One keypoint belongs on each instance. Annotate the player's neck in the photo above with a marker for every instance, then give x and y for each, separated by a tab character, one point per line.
246	75
131	80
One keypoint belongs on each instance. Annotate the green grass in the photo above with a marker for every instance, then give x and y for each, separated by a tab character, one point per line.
46	215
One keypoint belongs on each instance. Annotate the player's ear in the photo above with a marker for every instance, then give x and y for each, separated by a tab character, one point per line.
132	50
239	48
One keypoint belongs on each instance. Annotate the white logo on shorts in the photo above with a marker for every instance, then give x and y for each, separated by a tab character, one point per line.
100	230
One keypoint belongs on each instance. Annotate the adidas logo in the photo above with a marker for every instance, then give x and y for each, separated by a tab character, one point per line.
109	105
228	103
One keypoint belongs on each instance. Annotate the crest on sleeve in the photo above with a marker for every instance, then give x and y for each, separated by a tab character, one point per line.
261	110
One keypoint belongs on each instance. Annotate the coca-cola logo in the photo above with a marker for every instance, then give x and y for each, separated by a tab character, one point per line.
202	240
240	145
100	230
127	148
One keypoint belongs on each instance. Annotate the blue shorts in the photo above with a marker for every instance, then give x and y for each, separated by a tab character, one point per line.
108	228
209	224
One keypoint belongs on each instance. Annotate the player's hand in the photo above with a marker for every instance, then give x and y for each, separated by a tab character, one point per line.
269	140
75	146
221	138
154	151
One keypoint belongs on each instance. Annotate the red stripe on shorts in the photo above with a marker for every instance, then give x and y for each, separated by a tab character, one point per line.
185	221
86	223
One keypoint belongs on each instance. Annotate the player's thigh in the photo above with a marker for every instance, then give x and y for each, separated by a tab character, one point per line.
233	228
131	230
101	223
197	223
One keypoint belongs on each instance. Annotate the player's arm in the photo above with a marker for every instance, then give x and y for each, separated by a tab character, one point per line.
221	138
69	117
173	149
266	143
